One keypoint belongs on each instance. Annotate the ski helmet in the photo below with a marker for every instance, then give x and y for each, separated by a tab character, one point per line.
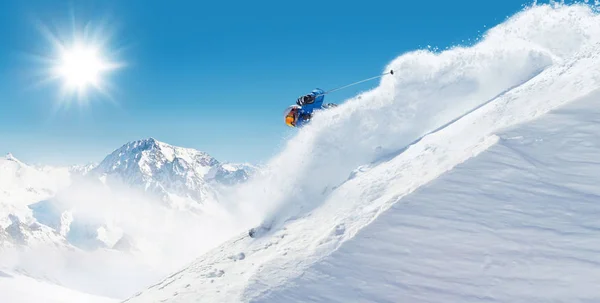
290	115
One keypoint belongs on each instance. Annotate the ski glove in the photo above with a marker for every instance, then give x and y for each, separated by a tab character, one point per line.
305	116
307	99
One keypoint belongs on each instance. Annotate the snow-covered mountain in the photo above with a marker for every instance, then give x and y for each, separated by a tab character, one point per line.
469	175
20	186
60	204
82	170
21	183
136	209
172	172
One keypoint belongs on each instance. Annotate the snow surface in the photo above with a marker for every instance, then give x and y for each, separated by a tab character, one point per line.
19	288
436	186
517	223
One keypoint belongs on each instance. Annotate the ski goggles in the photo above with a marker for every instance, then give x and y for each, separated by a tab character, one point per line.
290	119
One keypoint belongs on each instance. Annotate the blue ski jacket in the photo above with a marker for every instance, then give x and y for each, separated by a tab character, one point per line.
306	110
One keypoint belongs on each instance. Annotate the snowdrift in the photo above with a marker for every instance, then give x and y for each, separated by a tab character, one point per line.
352	163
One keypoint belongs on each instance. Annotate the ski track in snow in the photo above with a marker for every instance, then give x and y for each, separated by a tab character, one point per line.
464	237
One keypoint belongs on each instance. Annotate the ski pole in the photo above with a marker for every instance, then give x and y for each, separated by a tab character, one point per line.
391	72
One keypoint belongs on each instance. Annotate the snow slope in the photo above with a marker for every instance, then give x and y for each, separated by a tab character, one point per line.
356	161
517	223
19	288
427	91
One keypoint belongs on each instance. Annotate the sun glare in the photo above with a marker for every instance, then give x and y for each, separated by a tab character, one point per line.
80	61
81	67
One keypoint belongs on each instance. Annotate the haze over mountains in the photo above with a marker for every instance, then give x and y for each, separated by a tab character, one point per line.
138	203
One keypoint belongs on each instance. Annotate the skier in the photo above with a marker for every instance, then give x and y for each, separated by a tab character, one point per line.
299	114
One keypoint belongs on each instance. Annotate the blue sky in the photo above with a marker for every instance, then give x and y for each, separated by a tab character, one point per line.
215	75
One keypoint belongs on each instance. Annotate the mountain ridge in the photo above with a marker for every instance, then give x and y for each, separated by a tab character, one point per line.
182	178
168	170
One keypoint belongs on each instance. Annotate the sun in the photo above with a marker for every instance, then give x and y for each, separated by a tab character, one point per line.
82	66
80	60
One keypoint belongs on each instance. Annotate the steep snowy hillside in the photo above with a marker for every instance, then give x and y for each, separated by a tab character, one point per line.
512	224
174	173
517	223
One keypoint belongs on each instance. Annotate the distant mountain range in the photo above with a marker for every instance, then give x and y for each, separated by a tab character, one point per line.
40	204
169	171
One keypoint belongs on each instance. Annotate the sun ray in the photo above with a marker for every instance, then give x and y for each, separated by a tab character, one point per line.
80	60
